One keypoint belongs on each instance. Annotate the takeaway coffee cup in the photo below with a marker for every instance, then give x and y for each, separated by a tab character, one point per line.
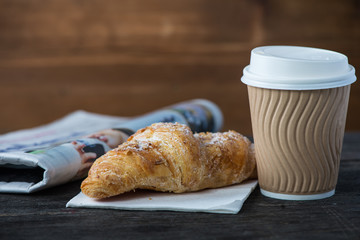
298	102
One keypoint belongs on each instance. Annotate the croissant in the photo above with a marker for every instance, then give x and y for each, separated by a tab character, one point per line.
168	157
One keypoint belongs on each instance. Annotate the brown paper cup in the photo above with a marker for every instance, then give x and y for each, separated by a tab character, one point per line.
298	101
298	139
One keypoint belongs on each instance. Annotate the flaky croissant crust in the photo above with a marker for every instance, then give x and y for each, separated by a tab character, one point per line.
169	157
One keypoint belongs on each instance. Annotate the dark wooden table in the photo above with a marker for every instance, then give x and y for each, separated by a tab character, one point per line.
43	215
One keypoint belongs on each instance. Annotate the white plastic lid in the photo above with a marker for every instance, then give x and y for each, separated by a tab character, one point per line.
297	68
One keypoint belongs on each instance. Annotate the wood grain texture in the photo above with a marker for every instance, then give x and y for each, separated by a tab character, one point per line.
129	57
43	215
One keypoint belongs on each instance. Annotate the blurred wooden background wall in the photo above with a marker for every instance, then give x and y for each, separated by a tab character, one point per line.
128	57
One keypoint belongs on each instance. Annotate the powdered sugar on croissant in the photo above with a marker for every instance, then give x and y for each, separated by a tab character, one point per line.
169	157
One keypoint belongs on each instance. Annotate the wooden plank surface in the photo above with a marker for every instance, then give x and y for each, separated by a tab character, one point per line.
129	57
43	215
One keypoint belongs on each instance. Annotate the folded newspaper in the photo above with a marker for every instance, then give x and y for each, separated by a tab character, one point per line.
63	151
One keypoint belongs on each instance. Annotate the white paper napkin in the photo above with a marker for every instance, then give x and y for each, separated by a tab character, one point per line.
221	200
